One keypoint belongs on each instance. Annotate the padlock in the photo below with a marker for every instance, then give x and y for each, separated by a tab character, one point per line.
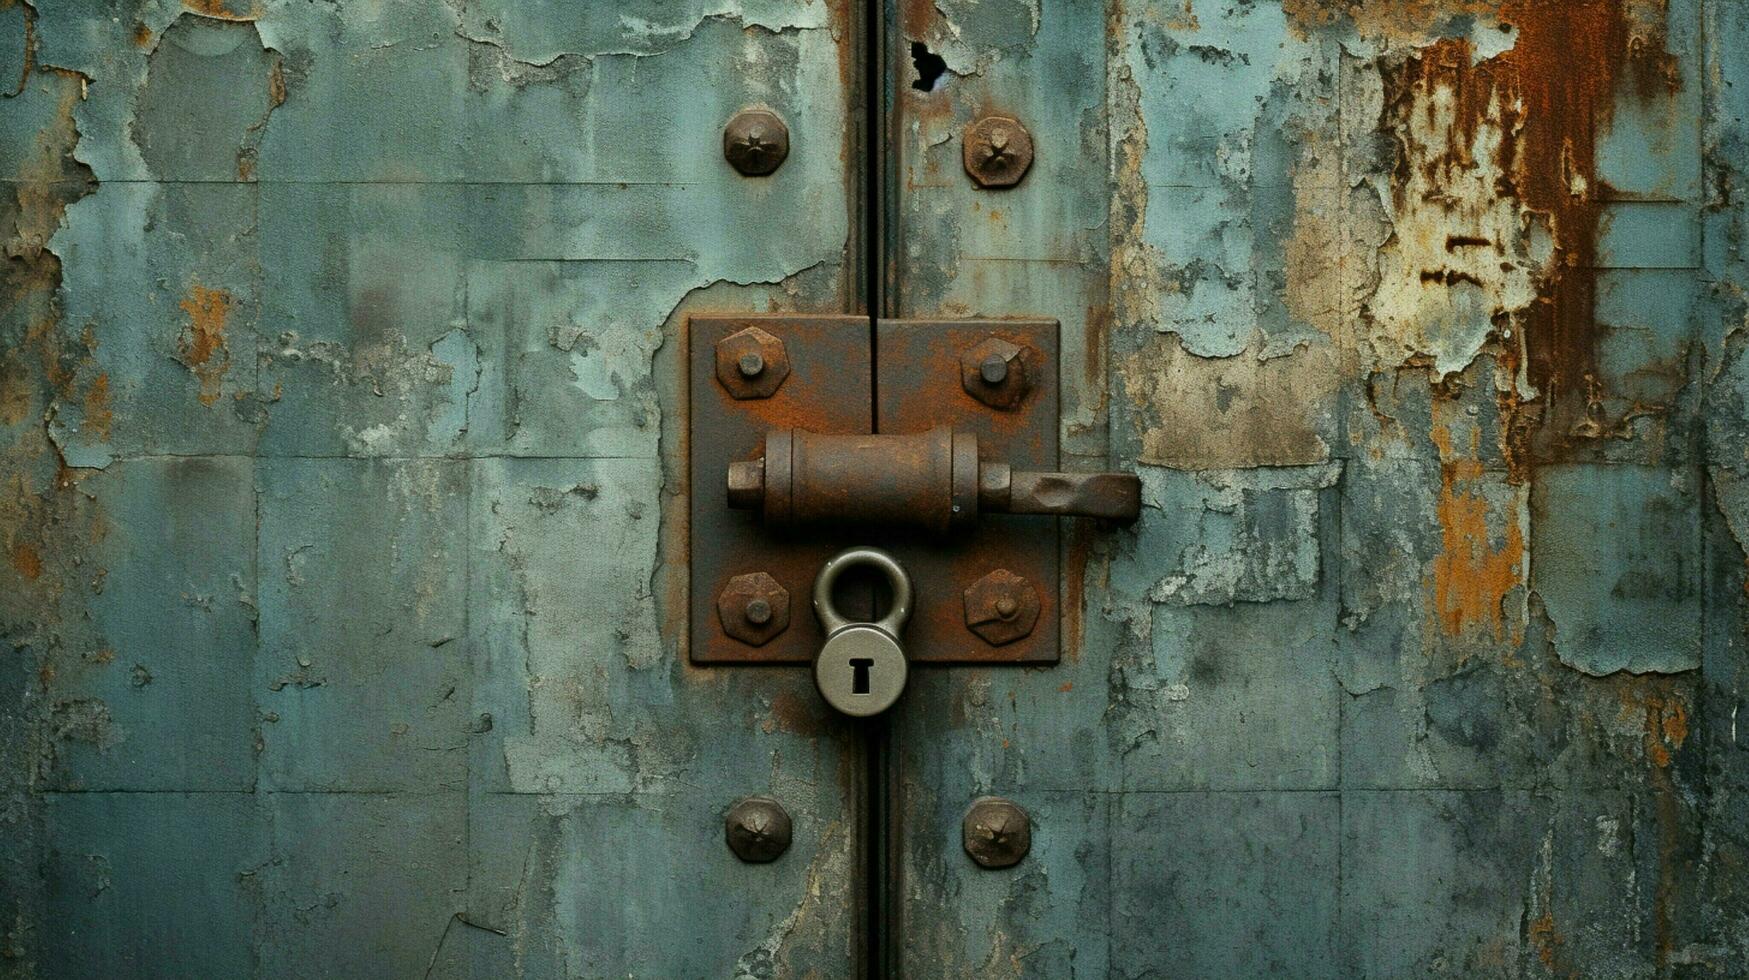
861	668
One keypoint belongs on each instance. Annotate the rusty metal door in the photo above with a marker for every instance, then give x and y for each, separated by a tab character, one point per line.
343	374
1422	322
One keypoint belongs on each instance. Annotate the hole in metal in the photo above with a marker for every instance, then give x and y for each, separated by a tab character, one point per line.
930	67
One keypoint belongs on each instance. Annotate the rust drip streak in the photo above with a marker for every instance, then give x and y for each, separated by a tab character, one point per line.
1564	69
1550	97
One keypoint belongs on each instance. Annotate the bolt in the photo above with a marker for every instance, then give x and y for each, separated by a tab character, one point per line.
997	151
756	142
996	832
757	829
747	483
751	363
994	370
753	608
1002	607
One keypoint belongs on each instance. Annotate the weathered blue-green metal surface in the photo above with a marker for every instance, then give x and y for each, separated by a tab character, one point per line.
1423	323
344	550
337	386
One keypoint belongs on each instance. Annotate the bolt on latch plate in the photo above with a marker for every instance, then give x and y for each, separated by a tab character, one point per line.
987	592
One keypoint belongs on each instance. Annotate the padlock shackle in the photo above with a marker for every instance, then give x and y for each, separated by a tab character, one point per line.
900	580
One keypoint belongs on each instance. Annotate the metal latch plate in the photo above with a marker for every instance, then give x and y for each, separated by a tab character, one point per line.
830	386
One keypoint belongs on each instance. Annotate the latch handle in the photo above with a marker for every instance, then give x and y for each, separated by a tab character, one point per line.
931	479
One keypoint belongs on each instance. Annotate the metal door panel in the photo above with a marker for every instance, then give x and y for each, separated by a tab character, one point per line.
340	425
1416	662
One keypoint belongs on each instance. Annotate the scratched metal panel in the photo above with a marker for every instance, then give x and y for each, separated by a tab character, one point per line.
1419	321
344	587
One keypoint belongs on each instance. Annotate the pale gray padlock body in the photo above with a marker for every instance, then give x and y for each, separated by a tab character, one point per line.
861	670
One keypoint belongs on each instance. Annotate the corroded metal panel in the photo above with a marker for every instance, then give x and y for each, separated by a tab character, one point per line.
338	412
1421	322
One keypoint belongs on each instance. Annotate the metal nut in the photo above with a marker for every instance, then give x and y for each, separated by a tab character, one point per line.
757	829
994	372
1001	607
753	608
997	833
751	363
997	151
756	142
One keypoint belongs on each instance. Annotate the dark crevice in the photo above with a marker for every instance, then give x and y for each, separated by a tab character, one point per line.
930	67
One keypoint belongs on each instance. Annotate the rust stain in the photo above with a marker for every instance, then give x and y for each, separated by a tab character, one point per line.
204	348
1666	728
142	36
222	9
794	713
1565	65
1531	117
1471	578
1545	939
1078	566
917	18
98	415
15	392
26	561
1665	714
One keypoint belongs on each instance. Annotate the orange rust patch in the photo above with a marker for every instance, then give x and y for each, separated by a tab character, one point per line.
26	561
142	36
98	416
1544	937
204	349
1471	578
1666	729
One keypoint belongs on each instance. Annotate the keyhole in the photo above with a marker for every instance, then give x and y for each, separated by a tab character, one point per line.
859	674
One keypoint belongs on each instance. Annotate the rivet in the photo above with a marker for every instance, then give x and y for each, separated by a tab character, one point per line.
996	832
751	364
756	142
753	608
1001	607
997	151
757	829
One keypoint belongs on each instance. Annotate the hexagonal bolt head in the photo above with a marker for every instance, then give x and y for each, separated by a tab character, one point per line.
995	372
757	829
753	608
996	832
751	363
997	151
1001	607
756	142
